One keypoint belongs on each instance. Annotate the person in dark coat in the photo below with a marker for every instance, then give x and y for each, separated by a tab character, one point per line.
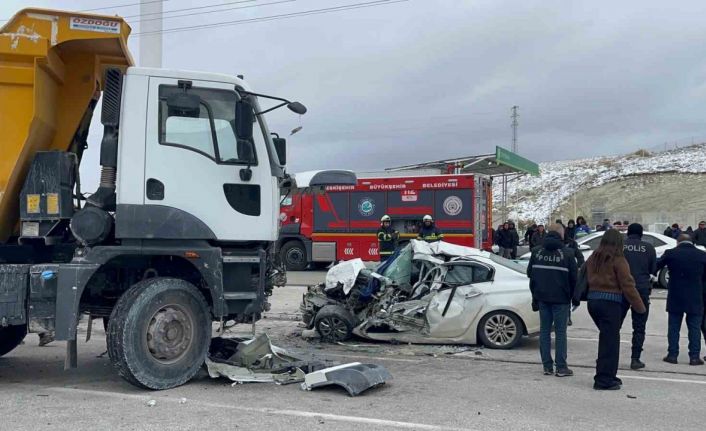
570	231
668	232
387	238
515	238
552	272
538	237
685	296
505	241
528	234
676	231
642	258
429	232
700	234
582	228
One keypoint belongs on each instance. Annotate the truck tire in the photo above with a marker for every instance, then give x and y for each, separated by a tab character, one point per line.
159	332
293	255
334	323
11	337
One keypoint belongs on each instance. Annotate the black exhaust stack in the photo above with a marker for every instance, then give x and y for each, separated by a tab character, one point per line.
104	197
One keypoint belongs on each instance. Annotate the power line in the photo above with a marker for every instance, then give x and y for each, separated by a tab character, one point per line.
190	8
276	17
211	11
113	7
124	5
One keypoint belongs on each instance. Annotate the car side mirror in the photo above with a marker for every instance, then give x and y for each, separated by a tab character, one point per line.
184	105
281	148
244	119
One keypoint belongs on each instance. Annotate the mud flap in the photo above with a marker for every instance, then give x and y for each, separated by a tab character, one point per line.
354	377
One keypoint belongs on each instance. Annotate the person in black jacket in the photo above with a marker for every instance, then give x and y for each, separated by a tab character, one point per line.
700	234
528	234
552	272
429	232
686	265
538	237
514	240
642	258
387	238
505	241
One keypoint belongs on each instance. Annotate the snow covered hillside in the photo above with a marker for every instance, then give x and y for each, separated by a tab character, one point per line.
534	198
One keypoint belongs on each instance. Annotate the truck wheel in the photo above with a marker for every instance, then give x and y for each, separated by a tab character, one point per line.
159	333
293	255
11	337
334	323
663	278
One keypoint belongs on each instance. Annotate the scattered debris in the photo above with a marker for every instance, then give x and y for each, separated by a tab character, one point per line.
151	403
354	377
257	361
182	401
632	397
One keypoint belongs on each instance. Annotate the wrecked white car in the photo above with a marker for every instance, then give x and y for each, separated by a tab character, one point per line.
436	293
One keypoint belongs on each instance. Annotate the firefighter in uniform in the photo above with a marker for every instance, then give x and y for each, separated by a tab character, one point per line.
387	238
642	258
429	232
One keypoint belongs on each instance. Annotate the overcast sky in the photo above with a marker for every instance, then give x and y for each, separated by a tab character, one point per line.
429	79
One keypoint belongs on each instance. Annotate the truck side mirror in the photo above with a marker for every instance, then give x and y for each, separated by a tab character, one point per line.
244	119
184	105
281	148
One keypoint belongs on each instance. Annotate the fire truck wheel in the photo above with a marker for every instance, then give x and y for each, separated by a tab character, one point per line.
293	254
159	333
11	337
334	323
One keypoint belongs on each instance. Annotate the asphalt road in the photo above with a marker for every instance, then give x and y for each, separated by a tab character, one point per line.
434	387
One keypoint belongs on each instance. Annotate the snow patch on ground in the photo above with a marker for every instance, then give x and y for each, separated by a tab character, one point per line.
534	198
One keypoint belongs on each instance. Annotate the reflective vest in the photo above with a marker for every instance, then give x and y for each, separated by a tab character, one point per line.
387	237
430	234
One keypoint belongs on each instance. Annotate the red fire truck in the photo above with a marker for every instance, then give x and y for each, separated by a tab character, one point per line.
341	222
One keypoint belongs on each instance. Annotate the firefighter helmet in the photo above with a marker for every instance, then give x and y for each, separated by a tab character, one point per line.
427	218
385	218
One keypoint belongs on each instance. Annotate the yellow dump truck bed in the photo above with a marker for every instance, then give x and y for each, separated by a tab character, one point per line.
51	67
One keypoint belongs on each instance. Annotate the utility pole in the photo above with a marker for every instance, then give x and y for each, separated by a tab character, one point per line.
514	117
151	41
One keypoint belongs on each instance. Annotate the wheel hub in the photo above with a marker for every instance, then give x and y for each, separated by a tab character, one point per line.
170	333
333	328
500	330
294	256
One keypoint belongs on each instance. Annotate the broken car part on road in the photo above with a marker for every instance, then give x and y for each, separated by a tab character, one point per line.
436	293
259	361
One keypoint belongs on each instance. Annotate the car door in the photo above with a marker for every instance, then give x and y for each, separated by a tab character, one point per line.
196	162
457	304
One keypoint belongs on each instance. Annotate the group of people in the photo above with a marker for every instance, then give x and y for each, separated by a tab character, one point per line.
614	279
388	237
698	235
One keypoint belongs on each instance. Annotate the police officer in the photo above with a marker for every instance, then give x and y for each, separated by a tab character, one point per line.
553	272
387	238
429	231
642	258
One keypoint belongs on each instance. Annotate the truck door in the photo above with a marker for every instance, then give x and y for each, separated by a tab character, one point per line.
195	164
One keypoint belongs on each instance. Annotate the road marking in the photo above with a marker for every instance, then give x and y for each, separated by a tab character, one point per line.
271	411
664	379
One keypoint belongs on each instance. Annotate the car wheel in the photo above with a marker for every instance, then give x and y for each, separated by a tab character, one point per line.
11	337
334	323
293	255
500	330
663	278
159	333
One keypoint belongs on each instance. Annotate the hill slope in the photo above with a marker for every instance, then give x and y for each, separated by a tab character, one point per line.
535	198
